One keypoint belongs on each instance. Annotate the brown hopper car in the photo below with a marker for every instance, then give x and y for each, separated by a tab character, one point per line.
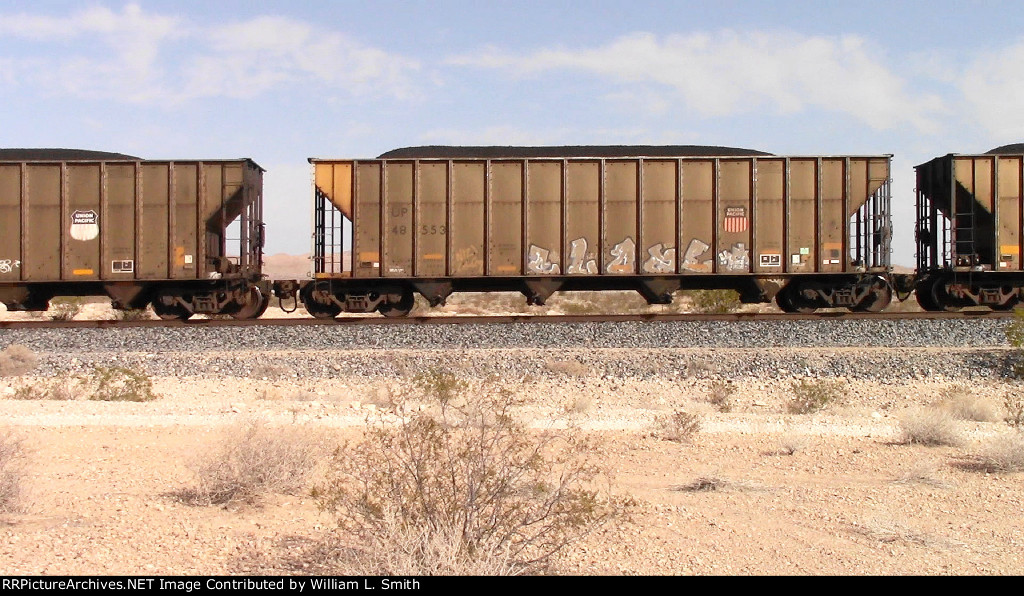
77	223
970	227
808	231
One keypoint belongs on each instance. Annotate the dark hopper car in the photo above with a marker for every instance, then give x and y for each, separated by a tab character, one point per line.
808	231
184	236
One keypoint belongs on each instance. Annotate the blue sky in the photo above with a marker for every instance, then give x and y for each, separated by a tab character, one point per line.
283	81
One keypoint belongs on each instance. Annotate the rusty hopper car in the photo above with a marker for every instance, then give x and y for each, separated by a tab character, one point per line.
969	230
808	231
142	232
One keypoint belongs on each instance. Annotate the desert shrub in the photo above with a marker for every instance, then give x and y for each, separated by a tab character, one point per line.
254	460
1014	403
59	389
12	456
930	426
440	384
812	395
1004	453
720	395
582	404
132	314
679	426
65	308
16	359
570	367
464	491
713	301
962	404
119	383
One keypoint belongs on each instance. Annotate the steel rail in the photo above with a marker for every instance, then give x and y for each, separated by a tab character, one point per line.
374	319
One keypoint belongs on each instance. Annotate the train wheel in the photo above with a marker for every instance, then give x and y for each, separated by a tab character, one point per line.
318	310
876	301
399	309
924	296
946	301
257	305
172	312
789	300
1008	305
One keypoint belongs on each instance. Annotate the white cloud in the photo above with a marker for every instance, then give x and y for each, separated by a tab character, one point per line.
730	72
993	86
138	57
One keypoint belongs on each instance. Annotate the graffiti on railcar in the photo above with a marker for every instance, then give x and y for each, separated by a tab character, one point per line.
579	261
540	260
662	259
696	257
735	259
623	257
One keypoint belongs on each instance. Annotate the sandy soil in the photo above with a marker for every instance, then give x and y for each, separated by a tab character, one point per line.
837	492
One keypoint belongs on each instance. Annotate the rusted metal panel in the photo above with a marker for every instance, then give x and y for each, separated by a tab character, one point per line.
734	215
398	224
506	223
768	250
658	233
803	215
619	236
582	217
832	218
81	250
544	218
366	225
1009	187
431	217
697	232
10	222
44	239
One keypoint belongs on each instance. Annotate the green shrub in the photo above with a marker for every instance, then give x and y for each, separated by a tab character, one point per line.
713	301
465	491
812	395
118	383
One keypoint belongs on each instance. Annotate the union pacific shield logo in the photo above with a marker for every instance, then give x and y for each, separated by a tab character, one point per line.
735	219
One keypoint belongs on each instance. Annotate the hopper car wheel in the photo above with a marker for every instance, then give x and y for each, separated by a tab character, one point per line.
925	299
789	300
877	300
399	309
175	312
945	300
257	305
1008	305
318	310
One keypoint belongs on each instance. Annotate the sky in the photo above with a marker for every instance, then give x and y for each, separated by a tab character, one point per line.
280	82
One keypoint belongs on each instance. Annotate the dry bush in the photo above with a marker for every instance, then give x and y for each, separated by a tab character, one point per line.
16	359
930	426
467	490
65	308
118	383
133	314
1014	404
679	426
253	460
1005	453
713	301
64	388
812	395
963	405
720	395
440	384
12	471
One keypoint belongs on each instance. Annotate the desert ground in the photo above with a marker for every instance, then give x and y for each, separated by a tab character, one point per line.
755	489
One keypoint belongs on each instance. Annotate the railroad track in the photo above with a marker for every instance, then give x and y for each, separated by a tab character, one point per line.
506	319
